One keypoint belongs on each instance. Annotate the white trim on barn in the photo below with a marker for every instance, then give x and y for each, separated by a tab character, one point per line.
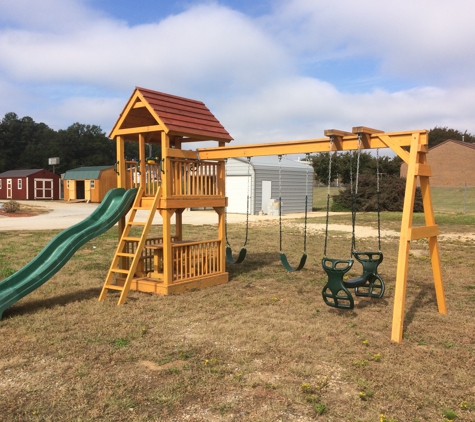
264	185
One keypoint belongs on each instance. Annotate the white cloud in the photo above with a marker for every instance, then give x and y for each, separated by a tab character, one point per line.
430	41
303	108
64	62
204	46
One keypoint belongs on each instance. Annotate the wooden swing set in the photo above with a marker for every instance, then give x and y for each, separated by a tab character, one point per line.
193	178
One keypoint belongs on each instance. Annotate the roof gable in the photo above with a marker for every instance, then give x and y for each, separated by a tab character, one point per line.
20	173
152	111
470	145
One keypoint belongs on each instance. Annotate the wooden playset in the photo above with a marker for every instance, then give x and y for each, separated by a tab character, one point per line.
182	178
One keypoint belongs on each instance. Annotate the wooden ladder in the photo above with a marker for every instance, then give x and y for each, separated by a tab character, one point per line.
121	251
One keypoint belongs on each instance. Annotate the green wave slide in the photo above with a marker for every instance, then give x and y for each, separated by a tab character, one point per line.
62	247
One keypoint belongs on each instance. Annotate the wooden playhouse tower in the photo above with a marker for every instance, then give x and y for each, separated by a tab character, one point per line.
168	185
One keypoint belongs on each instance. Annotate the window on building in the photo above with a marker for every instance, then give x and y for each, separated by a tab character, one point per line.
93	184
67	184
19	184
0	183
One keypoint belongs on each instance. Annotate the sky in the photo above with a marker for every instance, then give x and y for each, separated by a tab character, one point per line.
268	70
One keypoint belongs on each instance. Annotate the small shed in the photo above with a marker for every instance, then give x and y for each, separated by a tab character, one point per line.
261	179
29	184
89	184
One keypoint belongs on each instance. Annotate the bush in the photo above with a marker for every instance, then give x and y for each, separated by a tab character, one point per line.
11	206
391	196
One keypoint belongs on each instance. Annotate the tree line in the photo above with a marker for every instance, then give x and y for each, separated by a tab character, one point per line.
26	144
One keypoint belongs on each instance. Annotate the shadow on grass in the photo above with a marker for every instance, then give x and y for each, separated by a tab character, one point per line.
253	262
425	298
35	305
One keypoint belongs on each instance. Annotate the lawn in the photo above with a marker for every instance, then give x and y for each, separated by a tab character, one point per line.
453	200
263	347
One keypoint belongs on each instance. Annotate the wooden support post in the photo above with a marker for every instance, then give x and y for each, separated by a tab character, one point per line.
404	244
433	242
142	159
222	237
167	247
167	177
121	169
179	224
417	167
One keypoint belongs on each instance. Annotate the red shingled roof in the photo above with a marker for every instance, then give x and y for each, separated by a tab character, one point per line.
184	116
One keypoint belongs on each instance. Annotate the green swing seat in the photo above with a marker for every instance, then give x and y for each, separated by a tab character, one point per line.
335	294
369	284
288	267
229	255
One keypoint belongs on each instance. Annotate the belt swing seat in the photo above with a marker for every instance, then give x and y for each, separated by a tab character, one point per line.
283	256
242	253
335	292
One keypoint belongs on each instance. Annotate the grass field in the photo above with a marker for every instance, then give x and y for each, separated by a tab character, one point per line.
263	347
459	200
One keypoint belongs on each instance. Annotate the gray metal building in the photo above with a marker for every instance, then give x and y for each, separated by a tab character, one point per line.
261	180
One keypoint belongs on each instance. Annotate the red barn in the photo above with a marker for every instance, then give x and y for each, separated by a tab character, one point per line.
29	184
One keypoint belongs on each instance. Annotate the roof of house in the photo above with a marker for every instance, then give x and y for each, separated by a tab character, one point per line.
464	144
172	114
20	173
85	173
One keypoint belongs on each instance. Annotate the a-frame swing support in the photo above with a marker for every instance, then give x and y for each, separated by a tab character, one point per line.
417	143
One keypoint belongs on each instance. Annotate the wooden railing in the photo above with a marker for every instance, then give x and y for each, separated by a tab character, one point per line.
196	259
152	178
190	259
146	261
194	178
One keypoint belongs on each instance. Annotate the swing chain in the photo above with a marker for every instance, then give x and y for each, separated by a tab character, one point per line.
354	194
225	208
328	195
280	202
248	198
307	159
378	199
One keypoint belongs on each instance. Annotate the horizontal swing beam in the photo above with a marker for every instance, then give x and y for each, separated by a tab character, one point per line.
346	142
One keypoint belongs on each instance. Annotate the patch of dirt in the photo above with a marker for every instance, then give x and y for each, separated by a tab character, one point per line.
16	214
25	211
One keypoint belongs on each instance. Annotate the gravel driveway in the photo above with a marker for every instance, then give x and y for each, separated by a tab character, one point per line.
64	214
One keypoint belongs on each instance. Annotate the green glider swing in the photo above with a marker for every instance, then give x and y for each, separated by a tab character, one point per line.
283	256
369	284
242	253
335	292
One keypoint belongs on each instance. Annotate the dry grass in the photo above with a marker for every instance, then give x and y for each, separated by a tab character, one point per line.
263	347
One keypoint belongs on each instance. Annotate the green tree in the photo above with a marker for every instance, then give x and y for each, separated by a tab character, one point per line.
82	145
320	164
441	134
391	198
344	166
22	143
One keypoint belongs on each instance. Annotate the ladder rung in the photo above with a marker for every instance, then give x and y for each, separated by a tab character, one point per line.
137	223
128	255
120	271
134	239
114	287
